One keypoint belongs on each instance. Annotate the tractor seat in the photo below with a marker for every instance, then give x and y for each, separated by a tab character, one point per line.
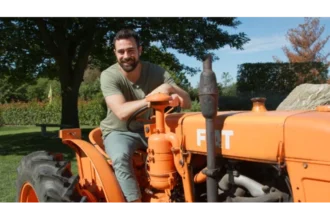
95	137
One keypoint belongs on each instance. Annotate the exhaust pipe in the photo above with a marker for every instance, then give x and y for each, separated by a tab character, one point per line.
208	97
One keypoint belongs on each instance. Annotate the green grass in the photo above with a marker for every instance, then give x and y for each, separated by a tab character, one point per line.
18	141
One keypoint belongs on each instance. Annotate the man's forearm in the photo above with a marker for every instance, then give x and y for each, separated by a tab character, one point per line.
167	88
164	88
185	98
128	108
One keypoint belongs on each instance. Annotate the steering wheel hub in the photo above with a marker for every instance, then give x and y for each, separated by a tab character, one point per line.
159	97
158	102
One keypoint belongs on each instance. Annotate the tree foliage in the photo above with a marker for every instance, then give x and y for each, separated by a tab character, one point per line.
63	47
281	78
306	43
307	46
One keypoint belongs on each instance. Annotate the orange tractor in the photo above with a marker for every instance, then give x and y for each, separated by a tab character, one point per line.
207	156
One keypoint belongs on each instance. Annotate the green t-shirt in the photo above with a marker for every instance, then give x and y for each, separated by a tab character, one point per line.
114	82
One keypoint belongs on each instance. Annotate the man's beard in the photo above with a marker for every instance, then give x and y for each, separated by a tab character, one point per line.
128	64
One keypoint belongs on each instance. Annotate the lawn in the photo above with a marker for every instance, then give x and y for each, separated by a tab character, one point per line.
18	141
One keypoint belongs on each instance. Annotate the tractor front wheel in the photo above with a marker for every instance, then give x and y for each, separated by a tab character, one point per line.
46	177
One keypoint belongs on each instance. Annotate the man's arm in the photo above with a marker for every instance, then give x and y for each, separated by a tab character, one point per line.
115	100
123	109
185	101
183	96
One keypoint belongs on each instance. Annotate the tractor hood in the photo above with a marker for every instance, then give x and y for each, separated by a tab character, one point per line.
257	136
307	136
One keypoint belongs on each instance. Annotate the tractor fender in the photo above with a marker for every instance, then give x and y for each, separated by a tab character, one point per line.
106	178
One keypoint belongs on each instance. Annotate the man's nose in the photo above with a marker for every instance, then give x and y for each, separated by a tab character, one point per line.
126	54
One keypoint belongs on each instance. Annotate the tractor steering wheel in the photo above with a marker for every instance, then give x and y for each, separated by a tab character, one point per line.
145	108
133	117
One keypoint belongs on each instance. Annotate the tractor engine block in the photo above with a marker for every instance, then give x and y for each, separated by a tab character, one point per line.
160	162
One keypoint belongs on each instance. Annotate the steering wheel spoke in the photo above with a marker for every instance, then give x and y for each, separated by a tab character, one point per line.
155	98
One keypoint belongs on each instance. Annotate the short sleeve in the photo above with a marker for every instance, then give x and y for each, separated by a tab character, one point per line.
110	83
168	78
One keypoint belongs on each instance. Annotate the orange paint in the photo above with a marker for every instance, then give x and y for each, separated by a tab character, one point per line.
95	172
295	141
258	104
28	194
310	180
160	162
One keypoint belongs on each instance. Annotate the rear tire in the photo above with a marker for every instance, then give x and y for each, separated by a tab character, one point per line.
46	177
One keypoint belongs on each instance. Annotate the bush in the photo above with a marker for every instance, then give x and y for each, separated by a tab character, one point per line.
92	112
195	107
279	77
244	103
40	90
34	112
89	90
1	119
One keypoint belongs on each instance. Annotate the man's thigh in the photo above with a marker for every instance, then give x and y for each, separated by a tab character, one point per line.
119	143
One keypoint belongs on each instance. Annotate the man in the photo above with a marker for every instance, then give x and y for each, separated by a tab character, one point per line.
125	86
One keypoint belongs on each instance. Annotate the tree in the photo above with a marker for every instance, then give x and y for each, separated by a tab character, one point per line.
307	45
228	87
35	46
226	79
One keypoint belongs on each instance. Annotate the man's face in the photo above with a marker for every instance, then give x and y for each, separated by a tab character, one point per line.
127	53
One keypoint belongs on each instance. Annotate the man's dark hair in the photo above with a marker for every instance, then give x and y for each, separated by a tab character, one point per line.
125	34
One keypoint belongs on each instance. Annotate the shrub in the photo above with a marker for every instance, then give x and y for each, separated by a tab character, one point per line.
18	113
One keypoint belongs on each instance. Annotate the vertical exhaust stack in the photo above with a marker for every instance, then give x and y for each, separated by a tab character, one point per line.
208	97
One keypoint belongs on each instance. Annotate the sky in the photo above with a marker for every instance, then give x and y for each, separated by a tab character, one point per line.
267	38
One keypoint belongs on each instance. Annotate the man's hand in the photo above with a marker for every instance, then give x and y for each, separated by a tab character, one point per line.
175	101
164	88
177	92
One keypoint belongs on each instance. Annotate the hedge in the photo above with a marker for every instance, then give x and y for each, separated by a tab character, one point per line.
19	113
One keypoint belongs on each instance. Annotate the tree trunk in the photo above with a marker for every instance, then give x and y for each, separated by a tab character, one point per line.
70	117
70	84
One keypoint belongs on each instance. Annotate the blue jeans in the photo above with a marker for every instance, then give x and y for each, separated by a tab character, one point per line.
120	147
